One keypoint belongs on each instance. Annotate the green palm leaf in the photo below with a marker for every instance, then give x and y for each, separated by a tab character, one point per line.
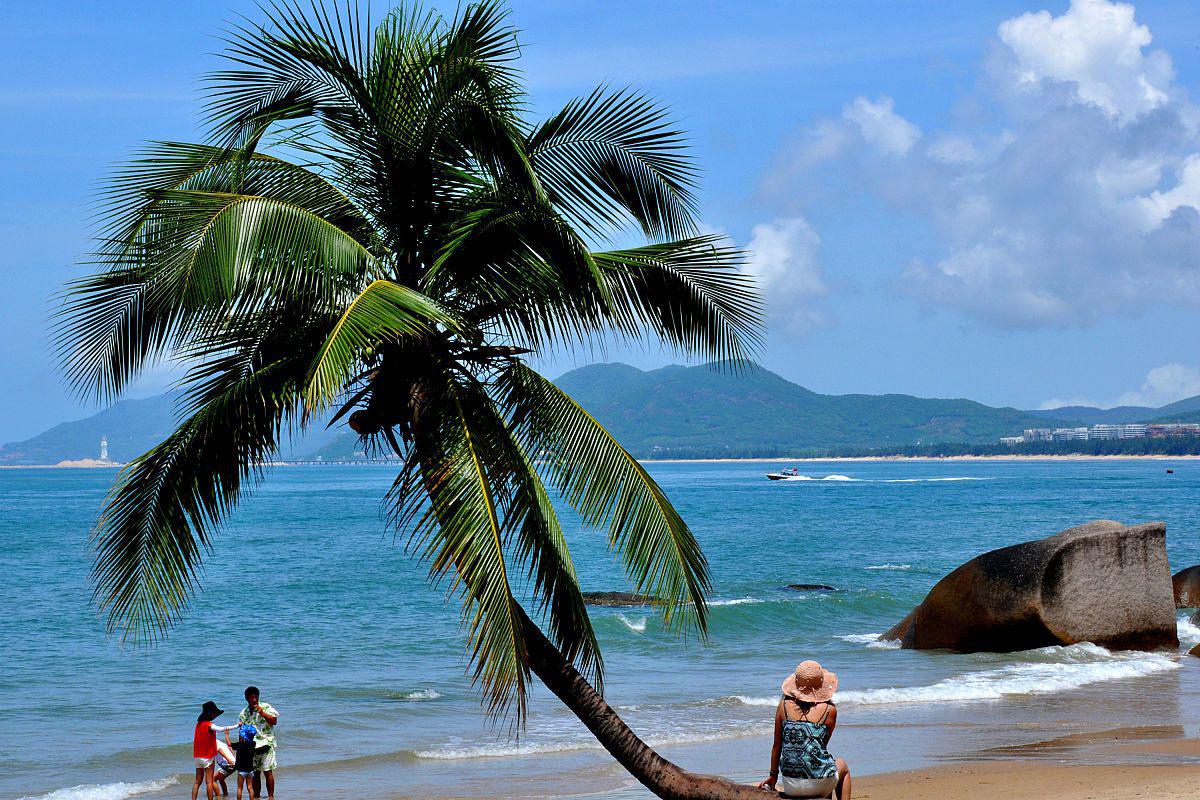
165	506
692	293
608	488
615	156
457	520
383	312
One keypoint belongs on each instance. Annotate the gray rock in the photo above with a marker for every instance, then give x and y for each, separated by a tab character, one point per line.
1101	582
619	599
811	587
1186	585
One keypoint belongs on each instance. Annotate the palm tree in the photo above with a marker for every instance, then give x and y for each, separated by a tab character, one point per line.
374	231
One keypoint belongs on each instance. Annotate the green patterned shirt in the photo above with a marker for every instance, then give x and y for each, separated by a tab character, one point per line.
266	731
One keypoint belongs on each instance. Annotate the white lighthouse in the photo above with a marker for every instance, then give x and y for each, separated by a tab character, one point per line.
104	448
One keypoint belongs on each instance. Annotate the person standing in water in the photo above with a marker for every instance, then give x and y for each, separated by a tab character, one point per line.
204	748
801	765
263	717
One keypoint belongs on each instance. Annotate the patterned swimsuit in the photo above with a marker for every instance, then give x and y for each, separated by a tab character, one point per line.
804	754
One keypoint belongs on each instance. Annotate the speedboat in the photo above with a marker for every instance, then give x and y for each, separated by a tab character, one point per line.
784	474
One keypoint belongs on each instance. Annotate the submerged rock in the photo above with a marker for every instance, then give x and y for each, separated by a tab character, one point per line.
1101	582
1186	585
620	599
811	587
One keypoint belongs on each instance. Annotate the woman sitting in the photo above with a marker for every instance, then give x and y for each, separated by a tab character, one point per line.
801	765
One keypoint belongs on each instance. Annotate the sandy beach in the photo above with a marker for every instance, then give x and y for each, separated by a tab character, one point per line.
1017	780
1123	763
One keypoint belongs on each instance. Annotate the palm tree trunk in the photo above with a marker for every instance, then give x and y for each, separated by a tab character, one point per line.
660	776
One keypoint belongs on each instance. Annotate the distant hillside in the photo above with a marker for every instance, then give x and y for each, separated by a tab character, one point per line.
673	412
698	412
131	426
1086	415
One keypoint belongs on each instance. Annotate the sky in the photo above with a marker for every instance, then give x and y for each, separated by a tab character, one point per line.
993	200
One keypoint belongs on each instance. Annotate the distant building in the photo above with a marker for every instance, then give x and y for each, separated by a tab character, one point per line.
104	448
1105	431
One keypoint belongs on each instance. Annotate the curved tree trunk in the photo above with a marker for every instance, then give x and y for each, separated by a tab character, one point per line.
660	776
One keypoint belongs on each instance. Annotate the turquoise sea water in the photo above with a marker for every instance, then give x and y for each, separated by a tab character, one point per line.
309	597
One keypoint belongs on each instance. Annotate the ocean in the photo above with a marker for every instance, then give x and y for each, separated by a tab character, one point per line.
308	596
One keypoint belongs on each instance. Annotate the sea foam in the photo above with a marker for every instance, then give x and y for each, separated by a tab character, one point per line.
1056	669
874	640
415	695
1188	631
107	791
1044	671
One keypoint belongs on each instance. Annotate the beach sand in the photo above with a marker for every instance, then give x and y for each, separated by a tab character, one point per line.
1035	780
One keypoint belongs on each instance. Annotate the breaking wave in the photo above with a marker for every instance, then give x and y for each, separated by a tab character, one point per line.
1047	670
106	791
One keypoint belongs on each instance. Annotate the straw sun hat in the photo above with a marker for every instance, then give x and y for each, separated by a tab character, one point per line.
810	684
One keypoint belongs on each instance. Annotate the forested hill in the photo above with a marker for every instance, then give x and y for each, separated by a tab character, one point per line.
698	412
673	412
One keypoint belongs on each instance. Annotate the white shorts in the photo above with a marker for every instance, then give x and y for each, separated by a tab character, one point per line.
806	787
204	763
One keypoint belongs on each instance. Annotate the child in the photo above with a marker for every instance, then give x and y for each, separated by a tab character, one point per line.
204	747
243	758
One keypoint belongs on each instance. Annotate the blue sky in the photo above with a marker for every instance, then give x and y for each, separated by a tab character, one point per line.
988	200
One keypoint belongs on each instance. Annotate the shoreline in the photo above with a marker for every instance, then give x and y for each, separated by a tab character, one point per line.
780	460
820	459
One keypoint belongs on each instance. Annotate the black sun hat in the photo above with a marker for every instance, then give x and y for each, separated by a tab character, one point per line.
209	711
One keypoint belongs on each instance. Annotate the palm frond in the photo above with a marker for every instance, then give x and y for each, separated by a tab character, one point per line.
449	496
613	157
609	489
383	312
179	242
165	507
691	293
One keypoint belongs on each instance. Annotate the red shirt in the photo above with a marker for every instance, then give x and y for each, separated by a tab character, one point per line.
204	743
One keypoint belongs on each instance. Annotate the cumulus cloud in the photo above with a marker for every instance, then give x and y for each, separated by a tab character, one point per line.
1078	198
1097	49
880	125
1163	385
784	256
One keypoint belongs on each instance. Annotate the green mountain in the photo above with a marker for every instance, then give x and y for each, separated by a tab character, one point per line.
131	426
682	412
698	412
673	412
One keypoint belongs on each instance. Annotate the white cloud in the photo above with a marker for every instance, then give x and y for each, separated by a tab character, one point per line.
881	126
784	256
1078	198
1158	206
1098	50
1163	385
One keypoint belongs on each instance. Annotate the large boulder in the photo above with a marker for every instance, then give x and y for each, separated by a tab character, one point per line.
1101	582
1186	584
